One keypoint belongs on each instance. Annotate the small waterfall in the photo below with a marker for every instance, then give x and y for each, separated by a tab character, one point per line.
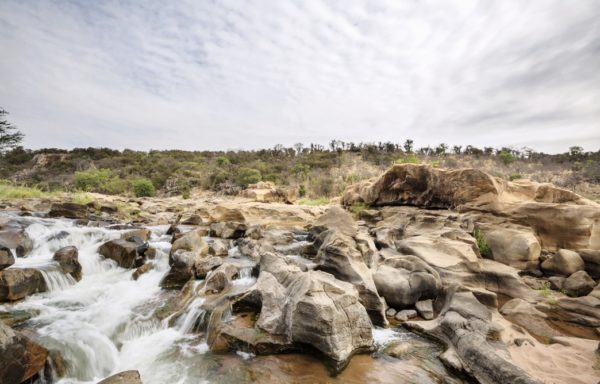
57	280
193	315
245	272
245	277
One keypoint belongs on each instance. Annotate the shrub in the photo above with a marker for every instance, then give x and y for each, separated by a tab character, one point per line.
248	176
9	191
515	176
93	180
222	161
143	188
81	198
409	159
357	208
484	248
185	191
506	157
301	190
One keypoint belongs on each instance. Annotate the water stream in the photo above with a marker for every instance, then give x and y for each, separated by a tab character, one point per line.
104	323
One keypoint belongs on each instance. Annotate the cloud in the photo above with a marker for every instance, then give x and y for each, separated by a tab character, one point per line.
230	74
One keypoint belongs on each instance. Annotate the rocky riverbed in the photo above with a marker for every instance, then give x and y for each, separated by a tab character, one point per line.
428	276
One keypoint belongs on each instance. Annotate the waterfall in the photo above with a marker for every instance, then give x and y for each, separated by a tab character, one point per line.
193	315
57	280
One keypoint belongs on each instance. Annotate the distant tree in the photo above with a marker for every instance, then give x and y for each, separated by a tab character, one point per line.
441	149
457	149
408	145
10	136
575	151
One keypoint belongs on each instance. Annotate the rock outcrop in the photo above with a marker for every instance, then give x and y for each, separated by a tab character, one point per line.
68	259
122	251
267	192
563	263
21	358
299	311
6	257
514	247
69	210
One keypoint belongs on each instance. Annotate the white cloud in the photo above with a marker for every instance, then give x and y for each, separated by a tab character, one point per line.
231	74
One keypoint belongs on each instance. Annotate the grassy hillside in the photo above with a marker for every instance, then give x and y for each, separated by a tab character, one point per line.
314	171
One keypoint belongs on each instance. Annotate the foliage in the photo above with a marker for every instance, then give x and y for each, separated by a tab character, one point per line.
545	290
506	157
314	202
143	188
9	191
515	176
10	136
248	176
408	159
484	248
357	208
301	190
81	198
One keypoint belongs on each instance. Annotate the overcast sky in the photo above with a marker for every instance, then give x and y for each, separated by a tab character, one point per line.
251	74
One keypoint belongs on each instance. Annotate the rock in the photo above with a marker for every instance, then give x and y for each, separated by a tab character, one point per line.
222	213
405	314
193	220
219	247
465	325
579	284
517	248
335	233
520	312
556	282
391	312
563	263
203	266
191	241
147	267
68	210
267	192
425	309
6	257
122	251
17	283
15	237
21	359
126	377
591	258
182	269
404	280
141	233
228	230
68	259
220	278
299	309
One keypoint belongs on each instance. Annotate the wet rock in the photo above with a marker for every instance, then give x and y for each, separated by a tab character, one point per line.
21	358
404	280
299	309
141	233
122	251
58	236
15	237
68	259
518	248
6	257
219	247
16	317
191	241
24	247
220	278
126	377
563	263
69	210
579	284
228	230
182	269
405	314
17	283
391	312
203	266
425	309
142	270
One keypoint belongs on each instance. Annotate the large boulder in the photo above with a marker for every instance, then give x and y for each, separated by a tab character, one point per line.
267	192
191	241
142	233
219	247
13	236
69	210
518	248
126	377
404	280
122	251
228	230
17	283
204	265
563	263
21	358
182	269
220	278
300	309
339	254
579	284
68	259
6	257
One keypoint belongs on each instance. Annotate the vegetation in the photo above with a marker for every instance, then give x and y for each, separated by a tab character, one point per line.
143	188
484	248
314	202
10	136
315	170
10	191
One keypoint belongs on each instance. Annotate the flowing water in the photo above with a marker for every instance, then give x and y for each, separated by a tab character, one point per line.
104	323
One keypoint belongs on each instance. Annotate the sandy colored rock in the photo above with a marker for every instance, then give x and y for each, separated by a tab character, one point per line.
21	357
122	251
517	248
17	283
6	257
68	259
563	263
579	284
126	377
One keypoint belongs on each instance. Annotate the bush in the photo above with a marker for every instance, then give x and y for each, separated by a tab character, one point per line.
9	191
143	188
248	176
93	180
506	157
301	190
484	248
410	159
515	176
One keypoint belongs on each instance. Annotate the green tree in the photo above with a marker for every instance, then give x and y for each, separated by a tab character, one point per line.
143	188
248	176
10	136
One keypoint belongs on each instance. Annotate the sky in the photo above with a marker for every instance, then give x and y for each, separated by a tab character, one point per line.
200	75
